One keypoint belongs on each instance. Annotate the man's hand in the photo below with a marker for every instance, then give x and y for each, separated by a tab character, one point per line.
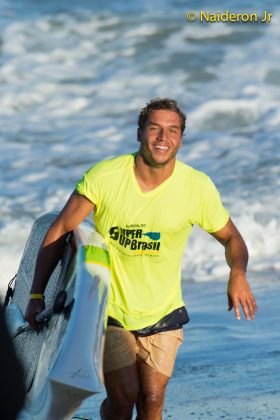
239	293
35	306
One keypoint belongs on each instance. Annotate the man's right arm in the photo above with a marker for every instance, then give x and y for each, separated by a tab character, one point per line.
75	211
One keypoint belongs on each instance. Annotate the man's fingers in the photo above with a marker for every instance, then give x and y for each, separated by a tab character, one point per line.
248	312
35	326
230	303
33	309
254	303
241	298
249	307
236	309
252	308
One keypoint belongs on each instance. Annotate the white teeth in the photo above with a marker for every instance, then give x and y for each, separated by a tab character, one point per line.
161	147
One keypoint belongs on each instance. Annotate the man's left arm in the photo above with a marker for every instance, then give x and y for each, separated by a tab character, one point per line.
239	292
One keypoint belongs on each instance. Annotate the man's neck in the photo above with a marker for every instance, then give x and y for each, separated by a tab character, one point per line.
149	177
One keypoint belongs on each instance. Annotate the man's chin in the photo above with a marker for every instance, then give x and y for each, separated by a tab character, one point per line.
160	163
156	160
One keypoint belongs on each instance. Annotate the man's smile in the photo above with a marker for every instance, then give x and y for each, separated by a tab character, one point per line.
161	147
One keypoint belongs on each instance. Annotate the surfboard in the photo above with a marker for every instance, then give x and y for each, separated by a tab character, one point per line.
63	363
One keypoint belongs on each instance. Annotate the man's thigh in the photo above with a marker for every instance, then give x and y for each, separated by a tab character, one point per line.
159	350
123	349
138	364
155	363
120	374
120	349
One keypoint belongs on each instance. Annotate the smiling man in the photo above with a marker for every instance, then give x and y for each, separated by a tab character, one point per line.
145	205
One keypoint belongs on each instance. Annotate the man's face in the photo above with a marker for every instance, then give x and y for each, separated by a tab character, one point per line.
160	138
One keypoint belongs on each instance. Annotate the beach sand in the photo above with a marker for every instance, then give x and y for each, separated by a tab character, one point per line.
225	369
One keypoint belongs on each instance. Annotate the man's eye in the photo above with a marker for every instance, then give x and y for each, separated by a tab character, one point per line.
153	128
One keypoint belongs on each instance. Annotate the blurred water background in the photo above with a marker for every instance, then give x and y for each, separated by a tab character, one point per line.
73	77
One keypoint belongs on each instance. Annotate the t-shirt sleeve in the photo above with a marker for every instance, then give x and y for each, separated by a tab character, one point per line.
213	215
88	186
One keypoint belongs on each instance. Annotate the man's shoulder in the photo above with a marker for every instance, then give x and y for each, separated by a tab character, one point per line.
192	174
110	165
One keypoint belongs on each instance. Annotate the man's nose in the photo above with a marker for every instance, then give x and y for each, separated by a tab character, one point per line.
162	135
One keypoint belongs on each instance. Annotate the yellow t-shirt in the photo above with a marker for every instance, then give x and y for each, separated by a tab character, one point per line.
146	233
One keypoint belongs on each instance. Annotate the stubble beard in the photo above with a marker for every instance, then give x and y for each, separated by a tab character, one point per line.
149	160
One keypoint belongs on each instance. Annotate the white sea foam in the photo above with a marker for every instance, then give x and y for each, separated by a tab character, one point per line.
73	84
223	114
12	239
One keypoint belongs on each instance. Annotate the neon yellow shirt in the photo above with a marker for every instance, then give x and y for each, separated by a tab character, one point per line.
146	233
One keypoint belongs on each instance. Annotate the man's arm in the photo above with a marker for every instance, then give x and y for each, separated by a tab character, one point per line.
239	292
75	211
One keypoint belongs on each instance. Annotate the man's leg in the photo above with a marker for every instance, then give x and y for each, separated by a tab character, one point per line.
155	363
122	392
120	375
151	393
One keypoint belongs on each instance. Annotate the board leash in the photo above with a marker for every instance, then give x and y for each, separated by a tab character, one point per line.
10	292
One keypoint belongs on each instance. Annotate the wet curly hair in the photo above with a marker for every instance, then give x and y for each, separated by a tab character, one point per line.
158	104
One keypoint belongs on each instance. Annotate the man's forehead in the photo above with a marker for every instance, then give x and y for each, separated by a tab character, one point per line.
164	115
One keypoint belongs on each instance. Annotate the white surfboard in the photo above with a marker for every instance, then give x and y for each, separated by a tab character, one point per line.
63	363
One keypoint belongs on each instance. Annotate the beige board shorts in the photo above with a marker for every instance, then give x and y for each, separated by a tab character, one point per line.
123	348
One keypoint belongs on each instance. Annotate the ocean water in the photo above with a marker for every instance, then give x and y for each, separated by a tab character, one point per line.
73	77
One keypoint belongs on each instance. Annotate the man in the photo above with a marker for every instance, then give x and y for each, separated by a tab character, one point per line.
145	205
